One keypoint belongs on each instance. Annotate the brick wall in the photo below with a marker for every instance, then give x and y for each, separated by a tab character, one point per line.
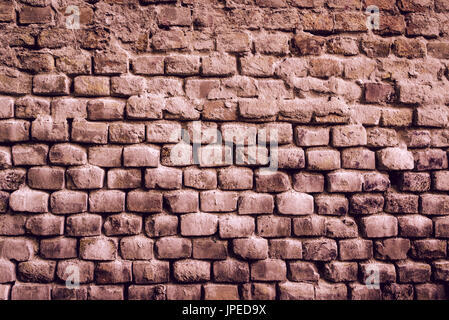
100	184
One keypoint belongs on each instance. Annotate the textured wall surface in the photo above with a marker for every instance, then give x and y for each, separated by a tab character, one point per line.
98	186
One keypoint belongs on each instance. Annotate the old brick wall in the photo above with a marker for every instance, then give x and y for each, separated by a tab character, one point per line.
95	181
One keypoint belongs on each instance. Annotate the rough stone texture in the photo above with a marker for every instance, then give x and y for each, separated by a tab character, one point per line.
340	163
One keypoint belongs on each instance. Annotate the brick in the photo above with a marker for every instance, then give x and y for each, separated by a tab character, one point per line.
97	248
58	248
254	203
201	89
12	179
183	292
67	154
299	271
209	249
296	291
440	270
362	292
272	182
355	249
430	159
396	291
415	181
144	107
83	225
41	15
152	292
351	135
15	83
218	64
413	272
30	292
107	201
433	204
294	203
51	85
401	203
416	226
285	249
161	225
409	48
379	226
126	133
122	224
124	178
163	132
110	62
173	248
324	291
127	85
395	159
309	226
105	292
64	270
29	107
392	249
105	156
218	201
375	181
344	181
200	179
319	250
231	271
256	291
14	130
7	110
311	136
337	271
45	225
308	182
27	200
148	65
8	273
429	249
16	249
191	270
233	42
85	177
386	272
198	224
268	270
36	270
323	159
182	65
113	272
341	228
89	132
220	292
236	227
105	109
182	201
91	86
143	201
4	200
64	293
163	178
418	138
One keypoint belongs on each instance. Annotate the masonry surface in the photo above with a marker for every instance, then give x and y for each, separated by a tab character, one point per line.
89	122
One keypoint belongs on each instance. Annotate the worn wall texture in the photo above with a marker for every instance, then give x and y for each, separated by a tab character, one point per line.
95	181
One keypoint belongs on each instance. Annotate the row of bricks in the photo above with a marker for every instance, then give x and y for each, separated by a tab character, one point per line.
245	244
228	226
222	64
230	270
250	291
183	155
185	201
292	70
324	22
264	109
